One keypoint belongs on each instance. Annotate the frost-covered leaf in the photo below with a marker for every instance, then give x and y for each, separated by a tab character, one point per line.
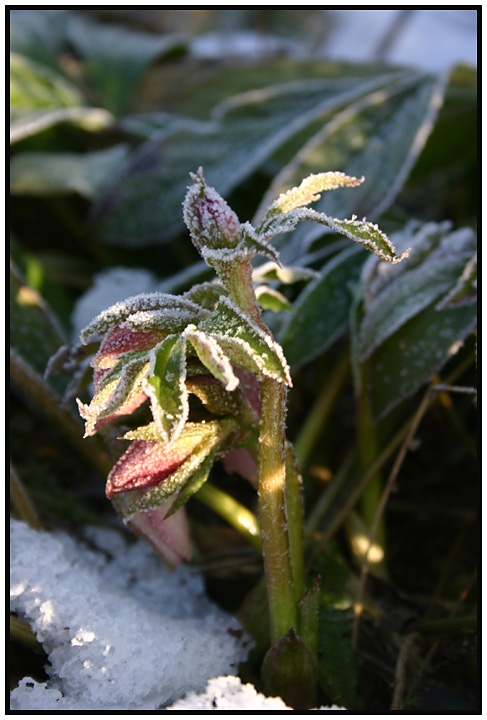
119	341
416	352
118	392
406	297
115	57
39	173
365	233
147	311
243	133
321	313
379	136
206	295
308	191
465	290
38	33
212	356
394	295
166	387
35	333
246	344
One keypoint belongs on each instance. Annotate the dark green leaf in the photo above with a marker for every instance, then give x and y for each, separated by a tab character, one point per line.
116	57
246	129
35	333
418	350
166	388
246	344
321	313
57	173
380	136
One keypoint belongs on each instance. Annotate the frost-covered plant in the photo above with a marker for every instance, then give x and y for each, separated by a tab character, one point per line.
211	344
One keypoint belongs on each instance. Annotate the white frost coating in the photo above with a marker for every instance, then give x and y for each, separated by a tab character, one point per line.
268	339
178	421
149	635
109	287
310	188
119	312
213	357
228	693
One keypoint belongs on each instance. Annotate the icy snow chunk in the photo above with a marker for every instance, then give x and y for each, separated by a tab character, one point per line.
228	693
121	632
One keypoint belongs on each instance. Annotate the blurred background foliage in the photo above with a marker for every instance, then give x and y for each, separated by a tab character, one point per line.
110	110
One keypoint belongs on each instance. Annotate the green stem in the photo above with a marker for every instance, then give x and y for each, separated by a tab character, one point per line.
35	387
21	632
272	510
21	501
237	515
321	410
367	454
325	502
295	520
447	626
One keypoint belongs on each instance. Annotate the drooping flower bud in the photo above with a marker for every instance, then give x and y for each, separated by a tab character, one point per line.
212	223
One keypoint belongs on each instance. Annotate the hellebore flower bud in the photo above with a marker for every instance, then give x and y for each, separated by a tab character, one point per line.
212	223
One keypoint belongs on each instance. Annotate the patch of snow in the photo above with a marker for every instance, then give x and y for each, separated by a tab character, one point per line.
121	632
228	693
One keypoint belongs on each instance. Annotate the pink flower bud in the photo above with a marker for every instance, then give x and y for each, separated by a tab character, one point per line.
144	464
212	223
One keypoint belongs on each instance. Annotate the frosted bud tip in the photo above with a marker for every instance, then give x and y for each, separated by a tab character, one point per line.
210	220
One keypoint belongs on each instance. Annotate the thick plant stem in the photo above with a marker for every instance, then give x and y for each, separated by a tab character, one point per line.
232	511
295	519
272	510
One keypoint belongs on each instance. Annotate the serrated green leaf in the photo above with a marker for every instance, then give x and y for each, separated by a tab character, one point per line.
116	57
212	356
119	385
166	387
58	173
321	313
245	344
379	136
146	311
308	191
240	137
416	352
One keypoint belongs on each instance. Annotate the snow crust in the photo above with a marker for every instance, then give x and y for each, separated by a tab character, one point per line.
228	693
120	630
